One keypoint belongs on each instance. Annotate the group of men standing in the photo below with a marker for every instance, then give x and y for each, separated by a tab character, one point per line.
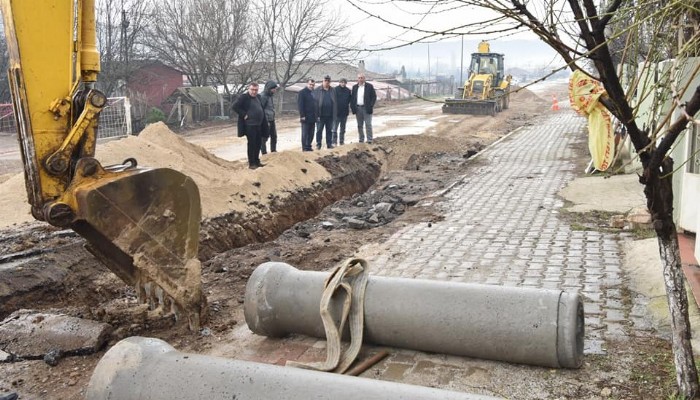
323	108
327	108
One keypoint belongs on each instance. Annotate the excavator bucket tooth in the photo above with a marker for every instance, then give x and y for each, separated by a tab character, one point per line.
144	225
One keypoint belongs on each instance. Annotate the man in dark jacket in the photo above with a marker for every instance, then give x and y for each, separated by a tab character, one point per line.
268	105
251	118
362	105
327	110
342	97
307	114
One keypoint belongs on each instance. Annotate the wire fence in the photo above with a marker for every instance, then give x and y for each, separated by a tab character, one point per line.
115	119
8	125
114	122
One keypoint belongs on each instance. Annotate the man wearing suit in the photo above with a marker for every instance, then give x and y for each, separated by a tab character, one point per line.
307	114
362	105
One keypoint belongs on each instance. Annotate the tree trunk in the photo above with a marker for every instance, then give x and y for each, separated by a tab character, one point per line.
659	195
686	373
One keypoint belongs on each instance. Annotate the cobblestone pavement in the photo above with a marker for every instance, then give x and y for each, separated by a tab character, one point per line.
502	227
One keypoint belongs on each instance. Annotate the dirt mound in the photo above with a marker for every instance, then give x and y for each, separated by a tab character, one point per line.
224	186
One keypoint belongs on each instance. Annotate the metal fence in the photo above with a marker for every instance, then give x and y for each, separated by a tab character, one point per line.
8	125
115	119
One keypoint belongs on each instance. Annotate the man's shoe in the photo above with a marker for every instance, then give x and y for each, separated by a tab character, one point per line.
260	165
369	142
330	146
254	166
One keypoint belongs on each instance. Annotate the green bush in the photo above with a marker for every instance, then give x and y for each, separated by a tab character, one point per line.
155	114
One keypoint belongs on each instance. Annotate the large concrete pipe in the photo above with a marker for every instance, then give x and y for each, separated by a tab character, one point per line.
144	368
520	325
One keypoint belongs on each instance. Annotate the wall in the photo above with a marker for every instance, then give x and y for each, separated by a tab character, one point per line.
154	83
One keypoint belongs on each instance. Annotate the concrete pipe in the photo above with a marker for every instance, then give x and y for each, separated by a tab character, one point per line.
521	325
144	368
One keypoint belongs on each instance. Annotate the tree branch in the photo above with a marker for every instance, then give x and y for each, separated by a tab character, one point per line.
614	6
691	108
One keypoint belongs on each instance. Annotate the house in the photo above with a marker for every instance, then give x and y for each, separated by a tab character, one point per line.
385	92
194	104
686	152
148	86
152	82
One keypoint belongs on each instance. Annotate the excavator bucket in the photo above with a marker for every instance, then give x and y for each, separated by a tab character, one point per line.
144	225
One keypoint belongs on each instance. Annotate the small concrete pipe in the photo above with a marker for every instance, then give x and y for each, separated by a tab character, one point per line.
145	368
521	325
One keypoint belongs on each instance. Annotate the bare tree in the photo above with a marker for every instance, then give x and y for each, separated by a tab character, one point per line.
120	28
226	27
4	85
250	66
203	38
582	31
302	34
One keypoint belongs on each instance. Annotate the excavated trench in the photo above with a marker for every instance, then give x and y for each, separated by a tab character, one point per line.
354	172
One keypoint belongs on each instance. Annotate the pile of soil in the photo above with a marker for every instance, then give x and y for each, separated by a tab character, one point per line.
224	186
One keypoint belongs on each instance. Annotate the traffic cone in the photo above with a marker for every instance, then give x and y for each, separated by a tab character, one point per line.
555	103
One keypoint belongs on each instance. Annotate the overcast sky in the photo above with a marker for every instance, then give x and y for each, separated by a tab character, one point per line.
524	50
376	33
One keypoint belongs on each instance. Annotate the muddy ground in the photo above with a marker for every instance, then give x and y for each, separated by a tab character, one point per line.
47	269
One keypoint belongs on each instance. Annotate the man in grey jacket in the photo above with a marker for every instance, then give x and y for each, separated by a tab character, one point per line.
327	110
266	99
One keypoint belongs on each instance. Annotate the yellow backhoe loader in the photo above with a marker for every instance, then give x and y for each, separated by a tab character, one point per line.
142	223
487	91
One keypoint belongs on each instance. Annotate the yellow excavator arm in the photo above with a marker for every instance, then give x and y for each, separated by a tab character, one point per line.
142	223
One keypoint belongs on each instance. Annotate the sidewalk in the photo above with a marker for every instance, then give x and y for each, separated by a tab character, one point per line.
503	225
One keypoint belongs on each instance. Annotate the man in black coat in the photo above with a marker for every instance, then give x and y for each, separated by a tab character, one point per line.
362	105
307	114
342	97
251	118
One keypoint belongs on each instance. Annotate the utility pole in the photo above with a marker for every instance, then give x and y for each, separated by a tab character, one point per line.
124	47
461	63
428	61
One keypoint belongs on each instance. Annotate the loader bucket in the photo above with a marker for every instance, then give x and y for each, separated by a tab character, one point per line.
474	107
144	225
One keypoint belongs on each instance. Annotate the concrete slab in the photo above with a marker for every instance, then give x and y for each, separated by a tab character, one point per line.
30	335
618	193
5	357
643	265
